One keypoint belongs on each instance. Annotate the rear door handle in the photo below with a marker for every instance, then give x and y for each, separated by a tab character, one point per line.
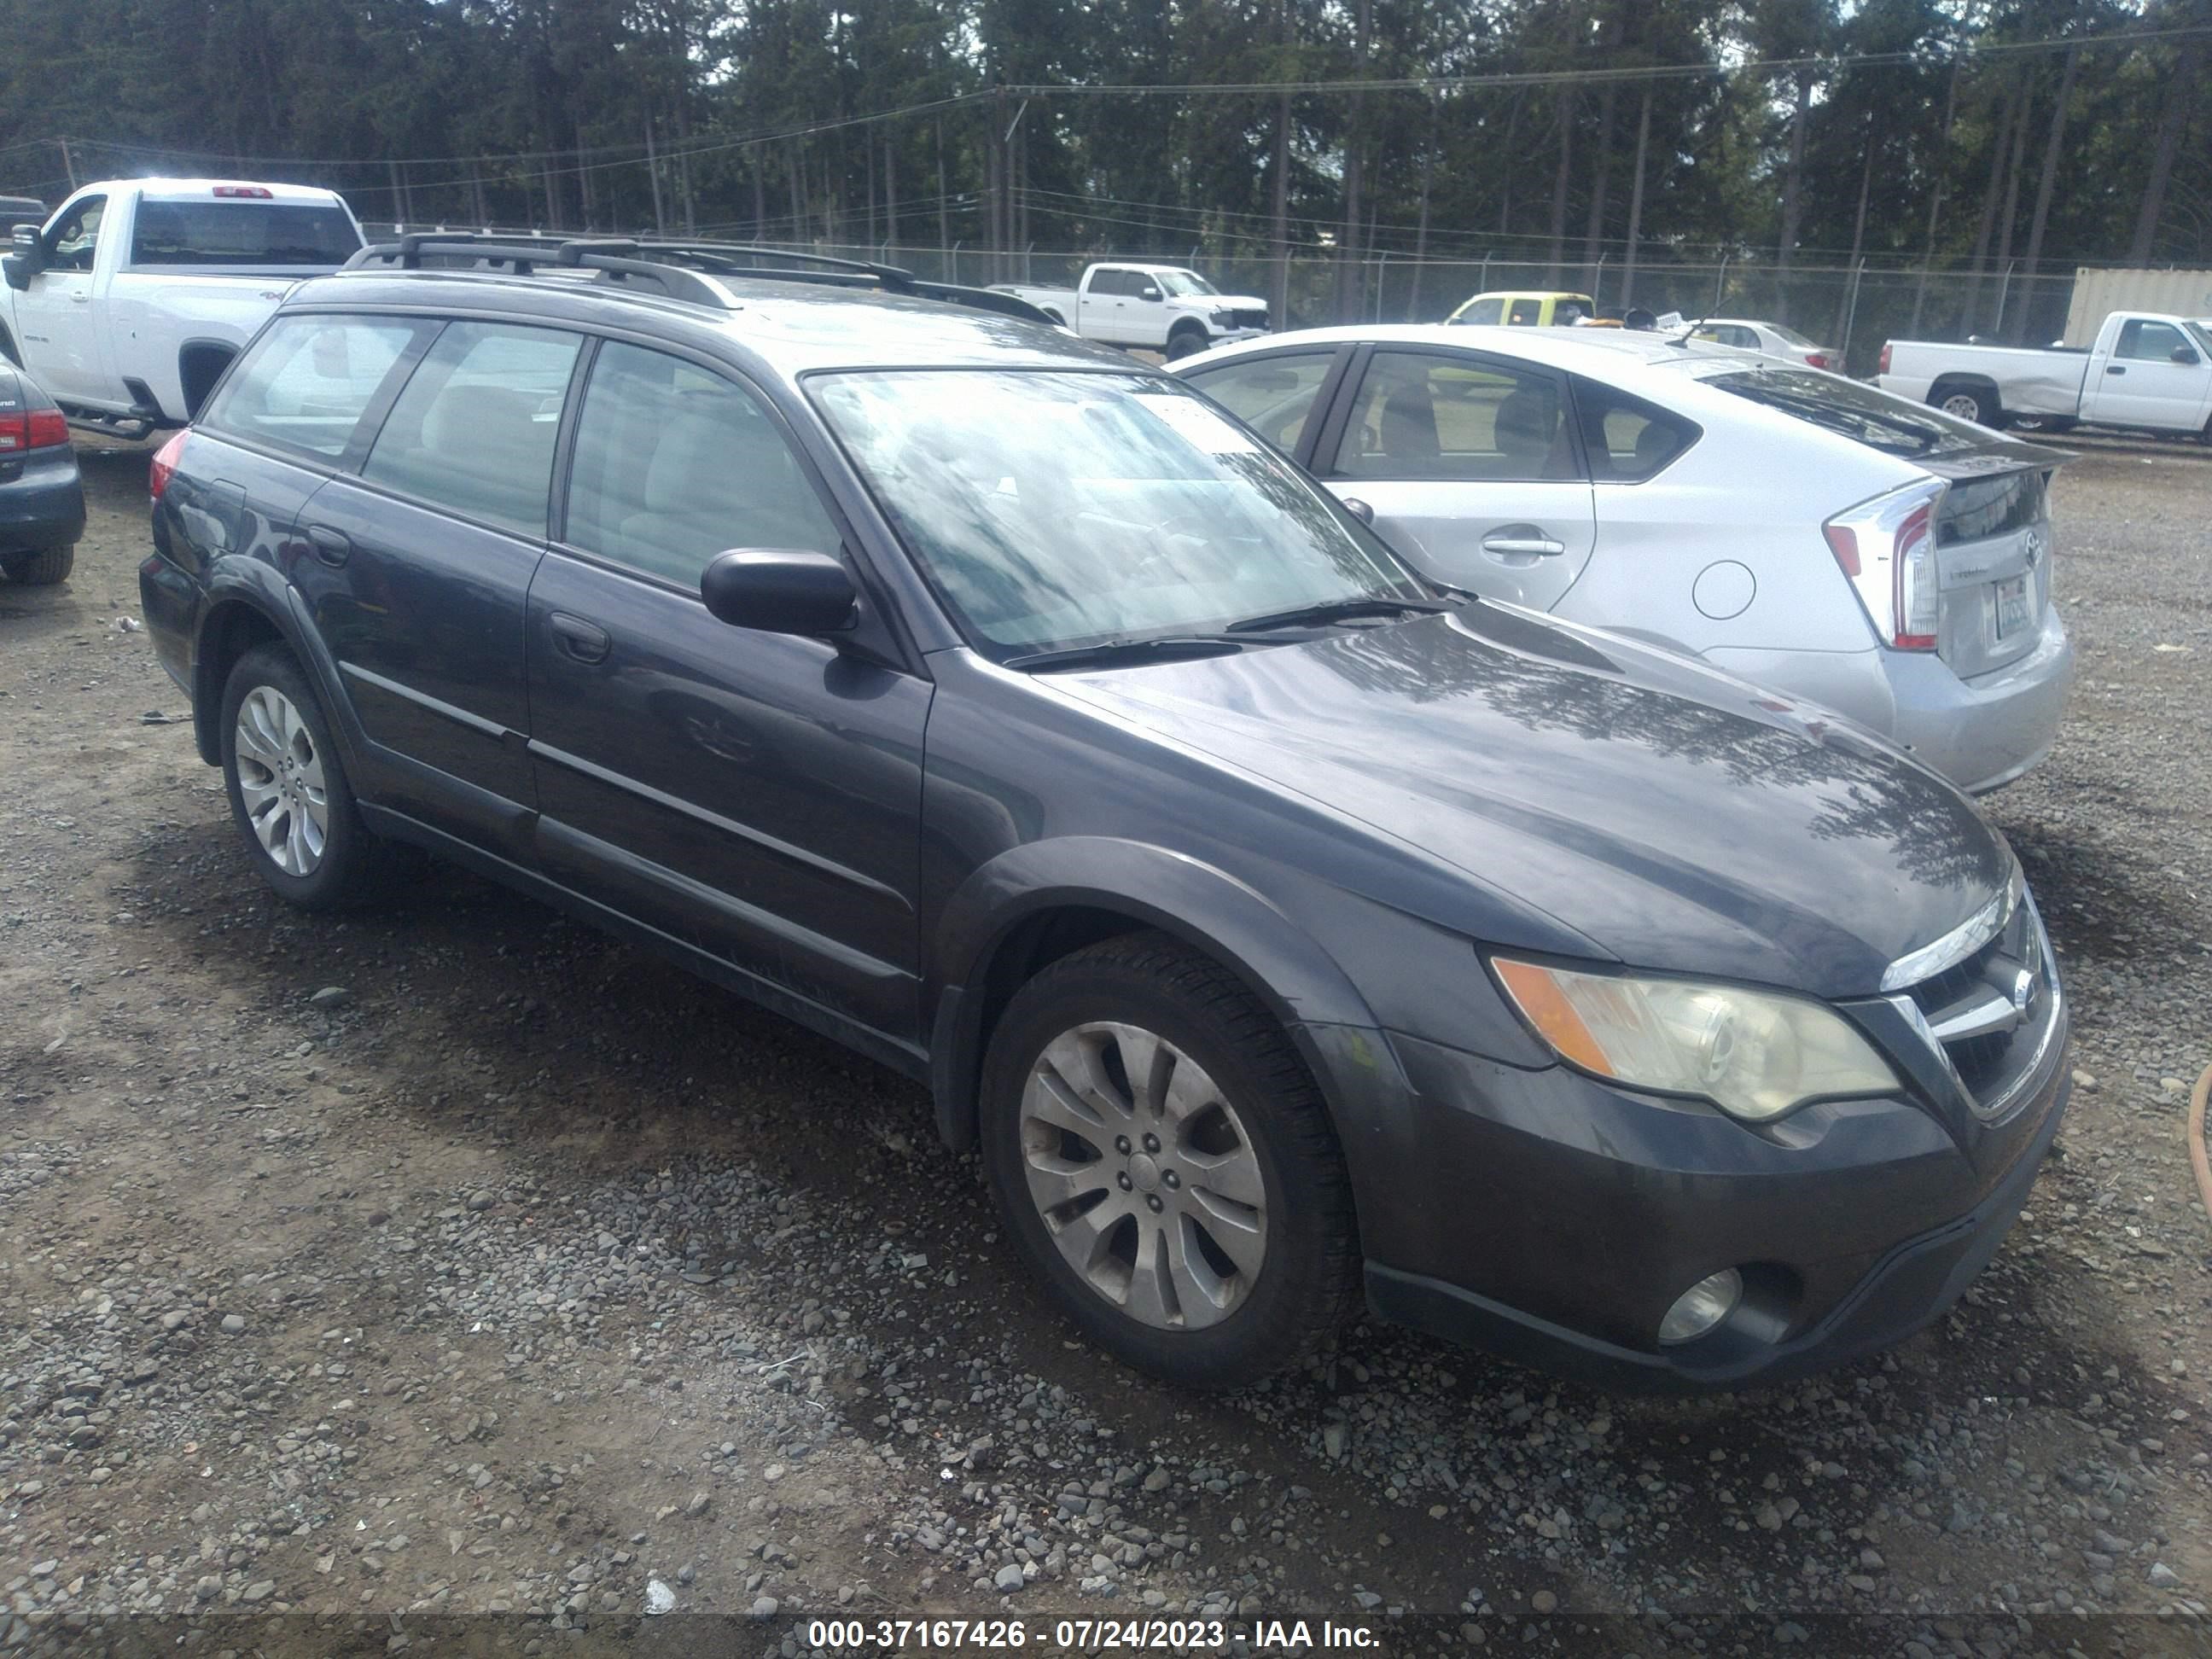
1525	538
330	546
585	641
2114	369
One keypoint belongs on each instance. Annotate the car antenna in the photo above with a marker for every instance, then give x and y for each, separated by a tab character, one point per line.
1683	338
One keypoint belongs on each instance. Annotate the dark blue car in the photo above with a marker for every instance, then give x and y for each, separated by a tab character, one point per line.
1283	930
41	495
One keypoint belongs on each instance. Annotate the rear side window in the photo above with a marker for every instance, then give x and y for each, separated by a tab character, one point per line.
306	384
474	430
1273	395
1626	439
675	465
1526	313
1418	416
242	234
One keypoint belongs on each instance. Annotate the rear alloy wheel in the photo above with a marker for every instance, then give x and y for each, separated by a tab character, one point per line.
288	791
1970	405
43	568
1166	1166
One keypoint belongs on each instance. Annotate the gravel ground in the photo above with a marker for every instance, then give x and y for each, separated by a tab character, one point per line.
458	1260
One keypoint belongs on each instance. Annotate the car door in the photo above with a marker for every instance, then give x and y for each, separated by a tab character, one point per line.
1106	308
1276	393
1473	468
2154	377
417	568
55	313
754	795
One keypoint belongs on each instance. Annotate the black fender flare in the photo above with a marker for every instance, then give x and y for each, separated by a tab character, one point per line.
259	588
1154	887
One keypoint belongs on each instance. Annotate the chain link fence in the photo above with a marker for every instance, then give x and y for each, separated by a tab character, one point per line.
1852	310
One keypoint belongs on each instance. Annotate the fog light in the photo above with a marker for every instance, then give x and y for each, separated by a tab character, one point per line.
1701	1307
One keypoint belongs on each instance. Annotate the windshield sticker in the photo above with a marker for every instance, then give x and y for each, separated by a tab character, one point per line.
1193	420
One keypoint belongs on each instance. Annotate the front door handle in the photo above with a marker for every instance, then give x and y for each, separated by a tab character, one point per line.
330	546
2114	369
585	641
1522	538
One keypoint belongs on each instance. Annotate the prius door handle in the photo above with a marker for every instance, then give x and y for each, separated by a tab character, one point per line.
585	641
1522	538
330	545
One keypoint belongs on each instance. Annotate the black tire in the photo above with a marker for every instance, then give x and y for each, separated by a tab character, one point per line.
43	568
1308	1280
1185	343
1953	399
354	868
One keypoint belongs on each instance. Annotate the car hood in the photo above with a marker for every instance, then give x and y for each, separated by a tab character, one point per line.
1228	302
1680	819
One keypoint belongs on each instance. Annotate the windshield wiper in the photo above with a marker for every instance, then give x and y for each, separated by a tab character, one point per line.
1330	610
1107	653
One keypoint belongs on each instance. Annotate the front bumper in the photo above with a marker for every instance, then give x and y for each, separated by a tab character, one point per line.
42	500
1553	1219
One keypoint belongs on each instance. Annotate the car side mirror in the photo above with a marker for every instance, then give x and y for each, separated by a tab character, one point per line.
26	256
1359	510
1148	292
2184	355
780	591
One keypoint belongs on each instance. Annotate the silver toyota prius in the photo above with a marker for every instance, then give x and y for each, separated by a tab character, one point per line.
1804	531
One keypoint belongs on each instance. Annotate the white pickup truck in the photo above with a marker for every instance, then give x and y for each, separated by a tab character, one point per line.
1162	308
130	300
2147	371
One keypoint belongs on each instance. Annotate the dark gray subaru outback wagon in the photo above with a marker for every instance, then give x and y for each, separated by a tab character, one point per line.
1282	929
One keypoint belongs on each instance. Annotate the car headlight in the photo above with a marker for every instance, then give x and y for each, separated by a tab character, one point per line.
1752	1054
1224	319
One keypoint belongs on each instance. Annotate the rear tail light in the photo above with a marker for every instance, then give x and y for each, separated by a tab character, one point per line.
1816	360
1883	368
244	192
33	429
164	466
1887	549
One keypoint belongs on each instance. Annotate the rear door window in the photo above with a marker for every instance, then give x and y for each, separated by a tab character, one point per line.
247	233
675	465
1273	395
1525	313
474	430
307	381
1418	416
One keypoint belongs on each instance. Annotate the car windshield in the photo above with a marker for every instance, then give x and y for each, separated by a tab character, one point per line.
1787	336
1873	417
1053	510
1186	284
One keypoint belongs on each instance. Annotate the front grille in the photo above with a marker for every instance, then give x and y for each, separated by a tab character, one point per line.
1251	318
1986	989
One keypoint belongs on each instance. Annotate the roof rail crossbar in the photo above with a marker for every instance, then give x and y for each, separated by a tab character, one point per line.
684	270
617	256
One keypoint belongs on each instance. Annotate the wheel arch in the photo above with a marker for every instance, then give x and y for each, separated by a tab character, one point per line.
249	606
1980	384
1035	904
200	363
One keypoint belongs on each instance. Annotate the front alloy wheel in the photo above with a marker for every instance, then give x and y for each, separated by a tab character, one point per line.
1166	1165
1144	1176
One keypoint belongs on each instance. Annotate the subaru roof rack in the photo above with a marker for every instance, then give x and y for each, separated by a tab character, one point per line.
682	268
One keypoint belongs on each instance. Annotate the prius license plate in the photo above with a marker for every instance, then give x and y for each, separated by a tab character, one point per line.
2012	606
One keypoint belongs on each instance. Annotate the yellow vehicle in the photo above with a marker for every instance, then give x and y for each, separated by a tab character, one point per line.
1530	309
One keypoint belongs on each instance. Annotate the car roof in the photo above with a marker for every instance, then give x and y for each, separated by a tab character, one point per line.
203	190
1590	350
1527	294
790	327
